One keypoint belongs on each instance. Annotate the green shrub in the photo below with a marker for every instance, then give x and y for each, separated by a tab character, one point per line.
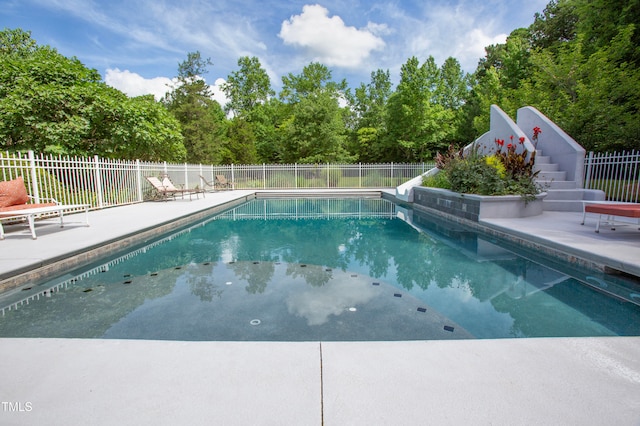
504	173
438	180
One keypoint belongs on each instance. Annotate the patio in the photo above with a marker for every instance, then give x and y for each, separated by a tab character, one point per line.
510	381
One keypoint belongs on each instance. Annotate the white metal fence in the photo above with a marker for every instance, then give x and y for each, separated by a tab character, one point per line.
104	183
617	174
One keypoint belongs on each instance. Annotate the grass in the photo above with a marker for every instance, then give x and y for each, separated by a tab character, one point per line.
618	190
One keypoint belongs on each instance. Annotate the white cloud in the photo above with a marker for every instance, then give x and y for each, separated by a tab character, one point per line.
134	84
328	39
471	46
443	31
218	94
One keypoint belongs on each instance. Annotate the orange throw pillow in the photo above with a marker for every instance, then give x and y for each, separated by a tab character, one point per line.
13	192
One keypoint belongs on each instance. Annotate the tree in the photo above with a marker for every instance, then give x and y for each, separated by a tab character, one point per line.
16	42
267	124
242	147
314	129
53	104
314	78
370	107
555	26
201	117
452	94
418	126
247	87
585	72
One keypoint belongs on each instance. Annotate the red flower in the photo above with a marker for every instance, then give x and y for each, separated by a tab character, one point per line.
510	146
500	142
521	140
536	132
511	137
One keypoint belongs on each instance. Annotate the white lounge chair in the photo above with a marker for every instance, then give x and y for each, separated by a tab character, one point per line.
15	203
166	189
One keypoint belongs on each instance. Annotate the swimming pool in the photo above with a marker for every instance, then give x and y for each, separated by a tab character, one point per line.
320	269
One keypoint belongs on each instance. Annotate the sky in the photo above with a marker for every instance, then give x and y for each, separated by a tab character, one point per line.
136	45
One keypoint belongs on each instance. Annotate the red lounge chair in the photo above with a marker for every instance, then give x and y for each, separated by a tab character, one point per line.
617	209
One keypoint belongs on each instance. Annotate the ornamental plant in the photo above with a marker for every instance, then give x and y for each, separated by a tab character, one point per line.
506	172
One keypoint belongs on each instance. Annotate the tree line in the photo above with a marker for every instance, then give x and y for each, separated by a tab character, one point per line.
578	63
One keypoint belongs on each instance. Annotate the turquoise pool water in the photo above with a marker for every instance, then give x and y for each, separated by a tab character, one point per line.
316	269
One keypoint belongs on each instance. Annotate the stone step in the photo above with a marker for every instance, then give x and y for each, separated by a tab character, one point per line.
564	194
546	167
570	200
541	159
556	184
552	176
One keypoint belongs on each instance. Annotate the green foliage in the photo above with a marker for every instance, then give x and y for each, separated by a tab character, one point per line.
314	132
437	180
241	142
53	104
202	119
369	106
504	173
515	164
474	176
423	112
578	62
247	87
314	78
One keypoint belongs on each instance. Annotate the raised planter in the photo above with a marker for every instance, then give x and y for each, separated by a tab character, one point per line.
476	207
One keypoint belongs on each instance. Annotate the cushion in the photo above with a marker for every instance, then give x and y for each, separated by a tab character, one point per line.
19	207
13	192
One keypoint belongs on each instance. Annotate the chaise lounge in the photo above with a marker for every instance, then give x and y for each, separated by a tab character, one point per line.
165	189
610	210
220	182
15	204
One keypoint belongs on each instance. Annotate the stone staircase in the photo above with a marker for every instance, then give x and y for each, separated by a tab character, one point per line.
562	194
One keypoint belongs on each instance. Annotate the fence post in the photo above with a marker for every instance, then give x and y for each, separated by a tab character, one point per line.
34	177
139	180
98	180
233	177
587	178
295	167
359	175
264	176
327	175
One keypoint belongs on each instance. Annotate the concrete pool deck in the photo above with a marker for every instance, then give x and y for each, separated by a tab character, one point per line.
507	381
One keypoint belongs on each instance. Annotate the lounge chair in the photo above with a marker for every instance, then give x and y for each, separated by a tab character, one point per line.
221	182
165	189
170	186
610	210
207	184
15	204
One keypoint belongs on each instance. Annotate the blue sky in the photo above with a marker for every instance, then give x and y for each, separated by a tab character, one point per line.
136	45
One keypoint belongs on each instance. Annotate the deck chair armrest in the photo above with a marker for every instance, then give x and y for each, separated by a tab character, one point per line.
43	200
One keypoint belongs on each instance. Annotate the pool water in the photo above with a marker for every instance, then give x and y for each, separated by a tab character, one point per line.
315	269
